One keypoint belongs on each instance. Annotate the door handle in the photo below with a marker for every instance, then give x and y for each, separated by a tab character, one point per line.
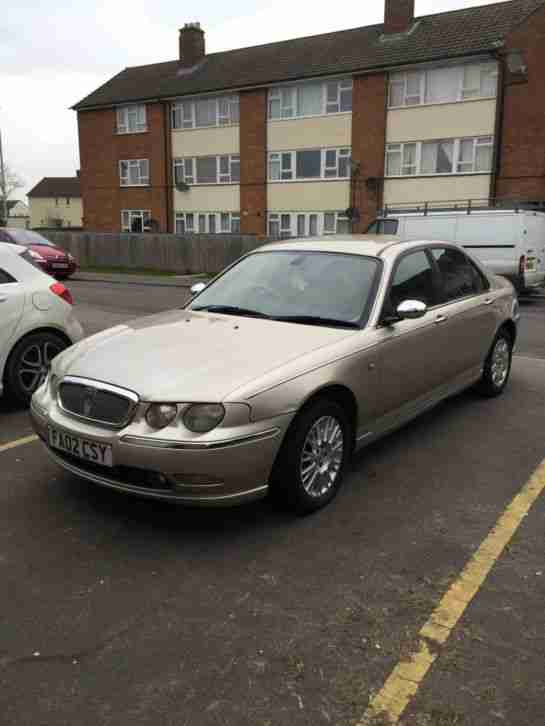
3	299
441	319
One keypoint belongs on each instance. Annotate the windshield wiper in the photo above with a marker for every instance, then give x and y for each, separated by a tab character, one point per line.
231	310
317	320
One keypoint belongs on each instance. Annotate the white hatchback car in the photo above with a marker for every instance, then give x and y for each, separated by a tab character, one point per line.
37	322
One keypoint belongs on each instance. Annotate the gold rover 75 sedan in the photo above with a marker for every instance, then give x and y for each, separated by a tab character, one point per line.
276	372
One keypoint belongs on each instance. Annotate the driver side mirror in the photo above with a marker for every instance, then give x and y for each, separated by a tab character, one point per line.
407	310
197	288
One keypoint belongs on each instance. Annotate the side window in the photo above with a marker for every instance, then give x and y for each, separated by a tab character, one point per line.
5	277
413	280
383	226
4	237
459	276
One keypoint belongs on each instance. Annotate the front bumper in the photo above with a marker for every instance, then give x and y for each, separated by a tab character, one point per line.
225	473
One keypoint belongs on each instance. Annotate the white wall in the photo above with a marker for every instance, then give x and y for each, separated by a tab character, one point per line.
431	189
448	120
308	196
208	198
307	133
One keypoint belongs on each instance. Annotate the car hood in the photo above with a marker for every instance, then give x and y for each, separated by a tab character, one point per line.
49	253
190	356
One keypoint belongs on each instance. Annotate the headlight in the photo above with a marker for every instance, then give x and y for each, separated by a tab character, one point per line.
160	415
203	417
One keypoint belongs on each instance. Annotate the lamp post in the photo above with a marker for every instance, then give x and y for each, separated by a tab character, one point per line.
3	186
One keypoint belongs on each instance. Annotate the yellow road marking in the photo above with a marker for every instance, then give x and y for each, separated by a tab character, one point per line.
19	442
404	681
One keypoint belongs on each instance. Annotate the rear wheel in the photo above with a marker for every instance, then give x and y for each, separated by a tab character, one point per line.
29	362
497	366
312	462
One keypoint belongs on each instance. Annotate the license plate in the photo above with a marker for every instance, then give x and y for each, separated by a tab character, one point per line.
59	265
82	448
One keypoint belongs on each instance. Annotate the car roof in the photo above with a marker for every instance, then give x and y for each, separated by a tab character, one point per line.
11	249
367	245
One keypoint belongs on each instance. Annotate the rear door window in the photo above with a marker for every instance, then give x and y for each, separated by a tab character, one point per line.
383	226
459	277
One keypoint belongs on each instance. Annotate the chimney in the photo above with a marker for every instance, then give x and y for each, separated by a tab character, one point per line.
191	45
398	16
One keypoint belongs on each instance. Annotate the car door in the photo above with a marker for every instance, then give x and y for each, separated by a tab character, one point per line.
466	313
12	300
412	354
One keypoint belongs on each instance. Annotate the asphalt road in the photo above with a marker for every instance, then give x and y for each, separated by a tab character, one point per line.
119	611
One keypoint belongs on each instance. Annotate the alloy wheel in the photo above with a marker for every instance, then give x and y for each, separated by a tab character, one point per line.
322	456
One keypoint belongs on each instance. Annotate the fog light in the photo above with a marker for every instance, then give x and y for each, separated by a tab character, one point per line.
194	480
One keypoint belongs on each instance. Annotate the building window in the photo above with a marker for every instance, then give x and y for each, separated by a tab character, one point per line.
440	157
134	172
203	113
307	224
310	99
207	170
136	220
207	222
131	119
449	84
309	164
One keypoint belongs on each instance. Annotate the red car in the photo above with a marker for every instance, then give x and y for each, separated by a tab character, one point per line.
45	255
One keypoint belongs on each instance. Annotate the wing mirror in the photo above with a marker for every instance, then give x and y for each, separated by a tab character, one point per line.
411	310
197	288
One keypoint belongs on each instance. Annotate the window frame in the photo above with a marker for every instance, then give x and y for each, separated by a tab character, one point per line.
319	221
278	158
180	162
122	115
183	112
478	141
233	222
134	163
286	98
401	79
144	213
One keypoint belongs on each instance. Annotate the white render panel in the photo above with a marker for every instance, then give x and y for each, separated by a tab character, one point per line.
447	120
204	142
436	189
308	133
308	196
208	198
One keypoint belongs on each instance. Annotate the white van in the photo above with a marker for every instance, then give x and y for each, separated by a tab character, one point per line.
509	242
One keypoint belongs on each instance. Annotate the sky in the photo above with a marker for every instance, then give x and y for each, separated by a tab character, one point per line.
54	54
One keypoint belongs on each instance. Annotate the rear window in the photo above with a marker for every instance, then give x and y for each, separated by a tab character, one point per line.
383	226
28	237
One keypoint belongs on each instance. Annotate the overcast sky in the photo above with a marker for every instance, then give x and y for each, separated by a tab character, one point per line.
54	54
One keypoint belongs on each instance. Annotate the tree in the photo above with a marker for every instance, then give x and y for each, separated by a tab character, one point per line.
9	182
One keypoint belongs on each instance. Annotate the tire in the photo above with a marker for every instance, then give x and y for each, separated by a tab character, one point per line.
497	366
28	362
298	490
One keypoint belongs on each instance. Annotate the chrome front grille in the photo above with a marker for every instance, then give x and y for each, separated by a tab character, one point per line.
97	402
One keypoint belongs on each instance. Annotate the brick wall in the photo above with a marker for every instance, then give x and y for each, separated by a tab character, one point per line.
253	162
101	148
368	144
522	141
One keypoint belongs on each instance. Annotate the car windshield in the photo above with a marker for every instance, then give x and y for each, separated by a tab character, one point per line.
27	237
307	287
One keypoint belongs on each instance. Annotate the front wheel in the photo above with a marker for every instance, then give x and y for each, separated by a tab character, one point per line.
29	362
497	366
313	458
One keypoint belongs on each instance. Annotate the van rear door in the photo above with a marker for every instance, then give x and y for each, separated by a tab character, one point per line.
533	236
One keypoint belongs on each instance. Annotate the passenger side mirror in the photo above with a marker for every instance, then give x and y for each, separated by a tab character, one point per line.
411	310
197	288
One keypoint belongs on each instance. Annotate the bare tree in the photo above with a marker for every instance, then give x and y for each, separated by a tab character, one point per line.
9	182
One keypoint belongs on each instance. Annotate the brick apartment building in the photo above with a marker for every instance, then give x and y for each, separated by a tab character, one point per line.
314	135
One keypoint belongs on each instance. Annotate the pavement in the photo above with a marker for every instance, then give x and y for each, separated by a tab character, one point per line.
121	611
